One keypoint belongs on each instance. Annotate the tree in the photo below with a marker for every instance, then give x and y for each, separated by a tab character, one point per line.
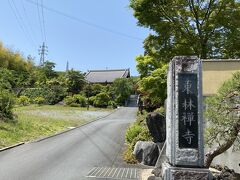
147	64
6	79
45	73
122	89
101	100
6	105
48	69
154	87
55	91
153	80
200	27
74	81
208	29
223	116
19	68
93	89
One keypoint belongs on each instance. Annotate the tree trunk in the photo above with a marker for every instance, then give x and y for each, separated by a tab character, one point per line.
209	156
203	48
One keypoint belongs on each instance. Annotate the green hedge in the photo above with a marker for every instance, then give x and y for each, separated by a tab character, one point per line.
51	95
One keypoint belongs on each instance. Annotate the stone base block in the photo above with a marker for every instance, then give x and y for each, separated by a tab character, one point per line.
179	173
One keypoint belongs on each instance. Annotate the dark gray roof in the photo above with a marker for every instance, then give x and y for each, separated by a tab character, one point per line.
106	76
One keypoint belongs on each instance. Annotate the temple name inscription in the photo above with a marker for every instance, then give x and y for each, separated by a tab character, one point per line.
188	110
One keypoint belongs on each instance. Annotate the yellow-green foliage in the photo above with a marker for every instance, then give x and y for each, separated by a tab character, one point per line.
68	100
132	132
128	156
39	100
13	60
160	110
76	100
81	100
23	100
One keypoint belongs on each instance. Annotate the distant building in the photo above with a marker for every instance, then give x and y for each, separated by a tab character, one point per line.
215	72
106	76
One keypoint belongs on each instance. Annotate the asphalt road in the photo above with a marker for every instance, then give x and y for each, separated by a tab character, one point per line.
71	155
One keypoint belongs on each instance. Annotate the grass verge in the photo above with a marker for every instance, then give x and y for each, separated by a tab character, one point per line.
38	121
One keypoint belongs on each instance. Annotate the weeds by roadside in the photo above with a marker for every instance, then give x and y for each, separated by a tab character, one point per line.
137	131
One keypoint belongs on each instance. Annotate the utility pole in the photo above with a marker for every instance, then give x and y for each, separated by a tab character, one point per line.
42	51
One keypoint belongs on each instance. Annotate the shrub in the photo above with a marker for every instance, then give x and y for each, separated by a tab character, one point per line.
91	100
138	131
133	131
96	89
112	104
128	156
144	135
81	100
101	100
160	110
39	100
6	105
55	94
76	100
32	93
74	105
23	100
69	100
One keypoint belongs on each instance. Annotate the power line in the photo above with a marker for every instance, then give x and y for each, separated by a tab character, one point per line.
86	22
21	25
43	22
43	49
28	21
39	20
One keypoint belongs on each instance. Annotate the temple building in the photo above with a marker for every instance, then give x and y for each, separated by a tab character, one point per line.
106	76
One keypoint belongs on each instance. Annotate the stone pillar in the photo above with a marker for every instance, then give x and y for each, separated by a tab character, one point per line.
184	118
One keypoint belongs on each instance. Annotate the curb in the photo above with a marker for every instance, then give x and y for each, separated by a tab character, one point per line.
13	146
65	131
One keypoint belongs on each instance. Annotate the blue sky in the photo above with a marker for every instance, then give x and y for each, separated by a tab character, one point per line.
95	34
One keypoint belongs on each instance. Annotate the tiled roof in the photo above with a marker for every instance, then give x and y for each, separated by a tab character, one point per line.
106	76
